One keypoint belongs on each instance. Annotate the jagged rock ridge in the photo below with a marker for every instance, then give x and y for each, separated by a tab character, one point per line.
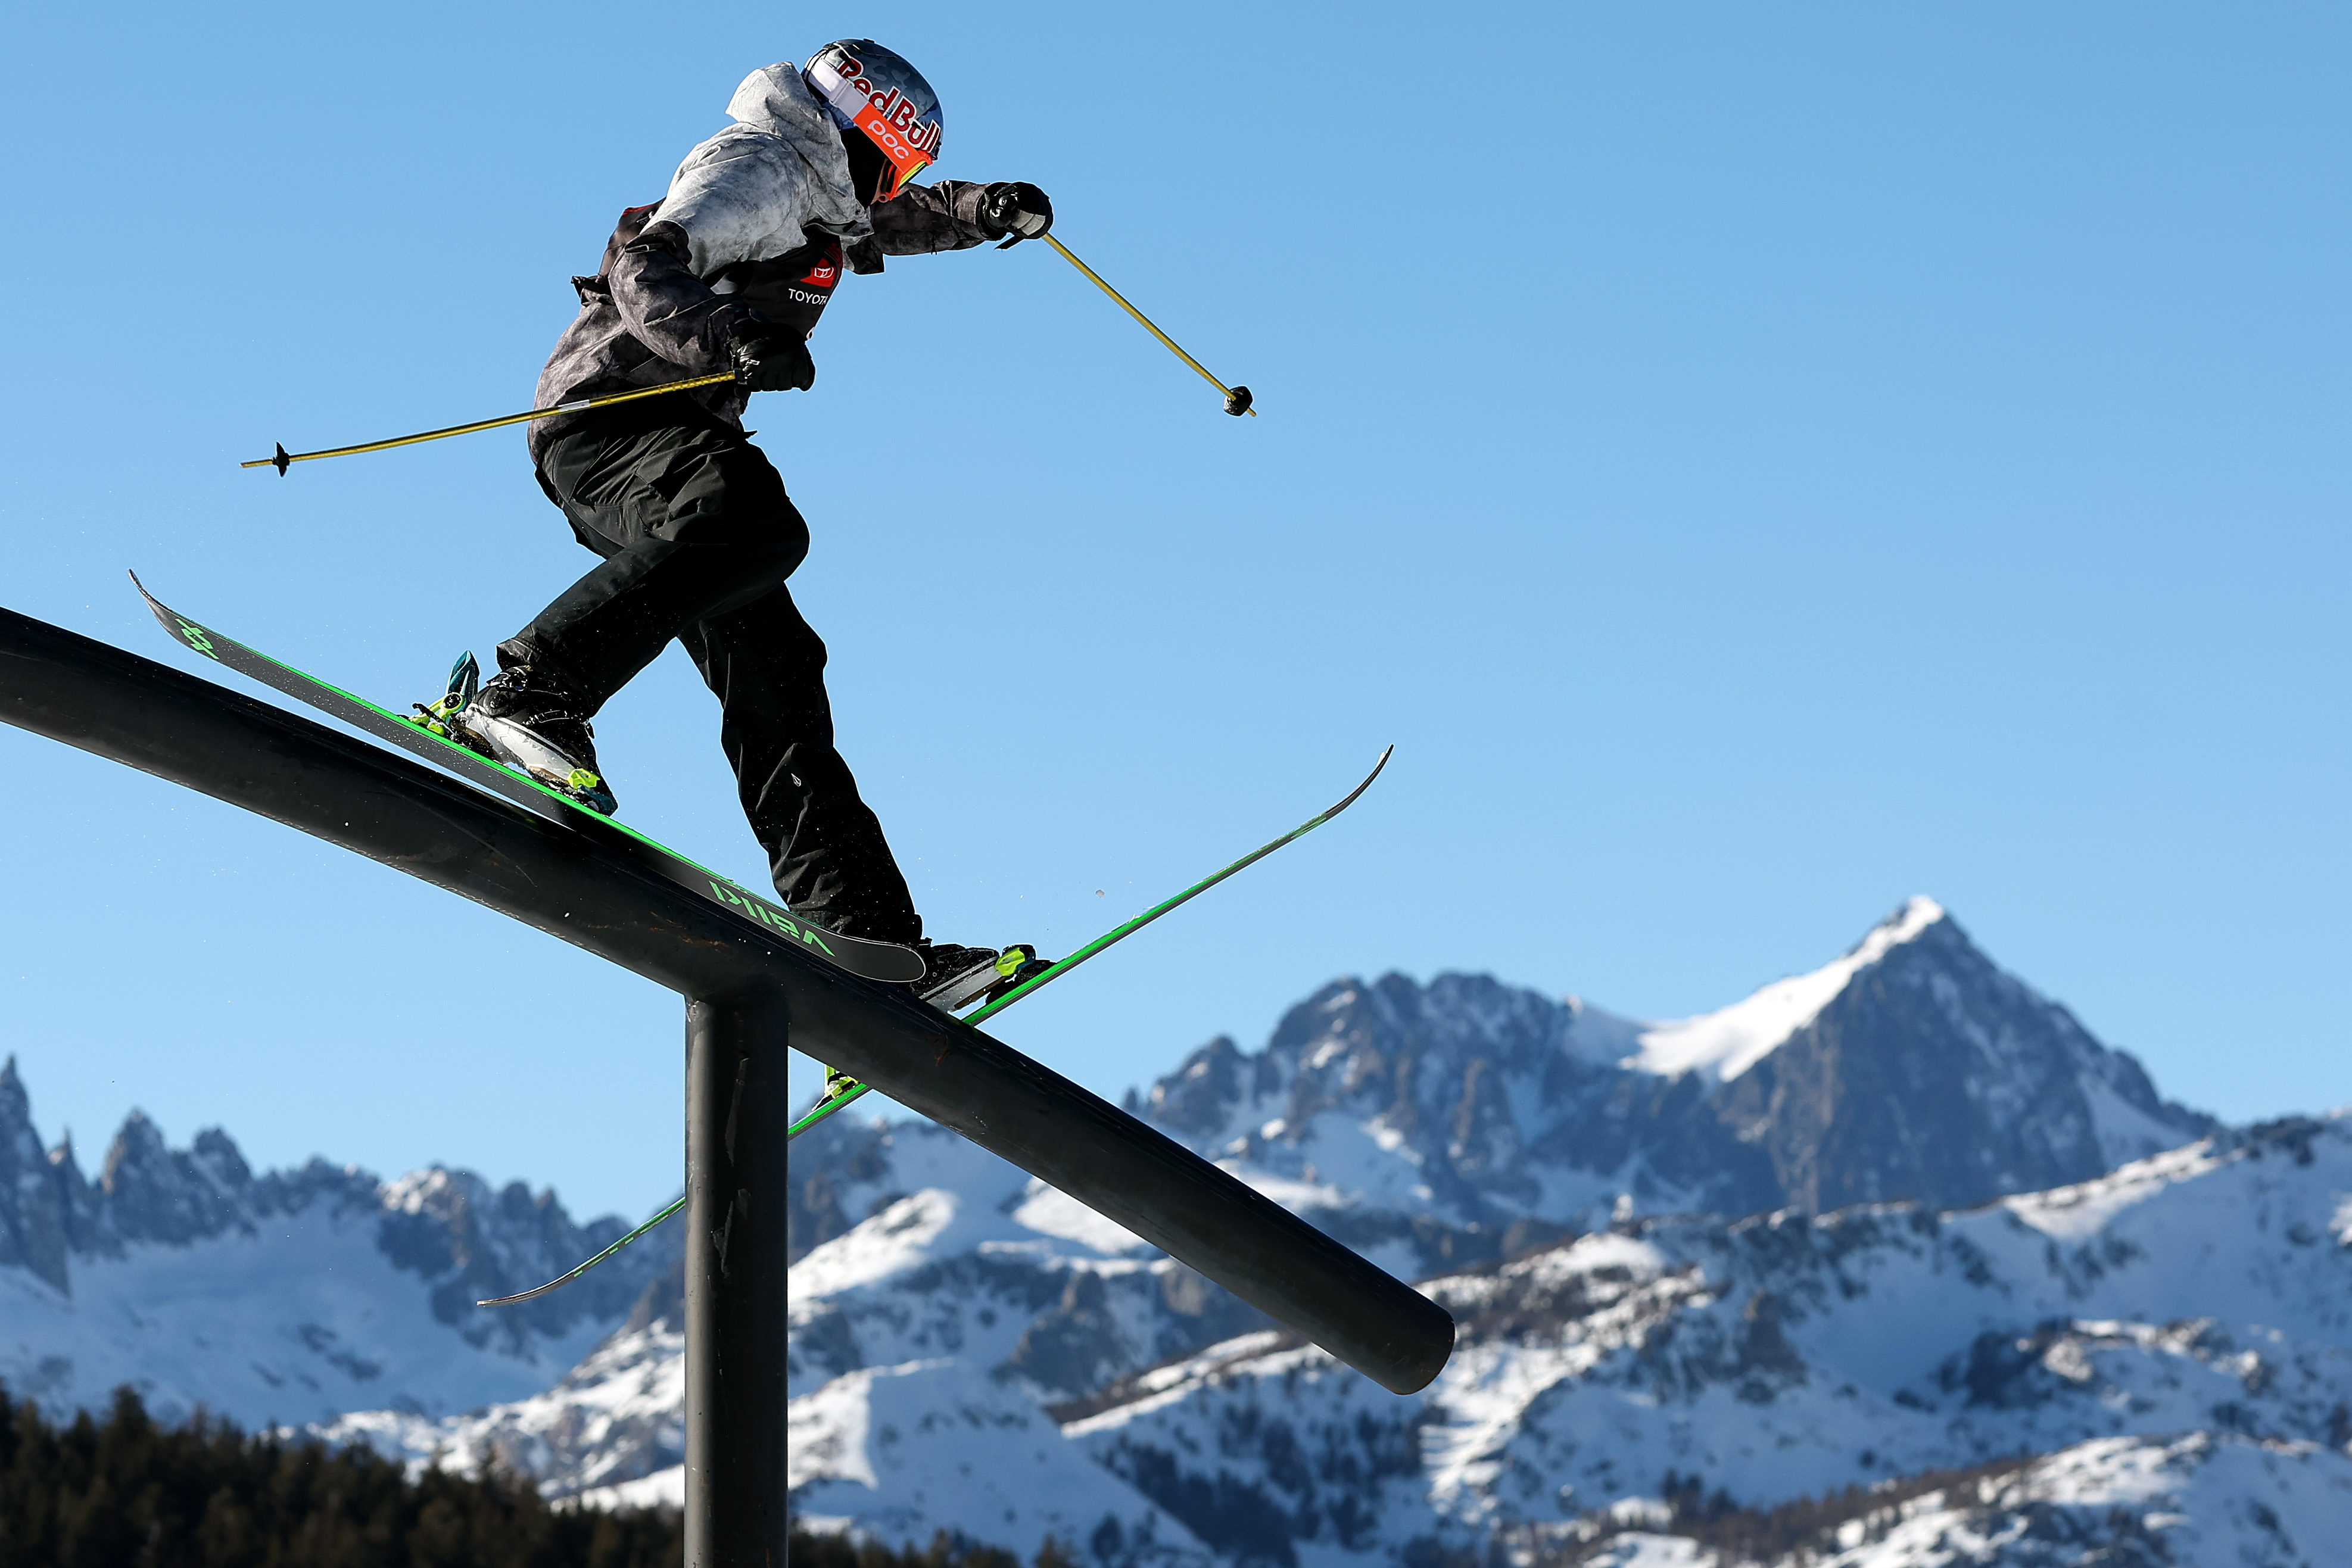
286	1294
1434	1124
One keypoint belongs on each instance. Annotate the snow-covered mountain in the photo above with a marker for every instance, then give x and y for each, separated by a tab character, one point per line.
2202	1296
1944	1293
2157	1361
1433	1125
974	1352
291	1296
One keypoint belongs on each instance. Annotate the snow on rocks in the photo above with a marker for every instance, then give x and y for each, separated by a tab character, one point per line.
1721	1045
287	1296
2182	1327
1432	1125
2195	1498
900	1451
1786	1356
613	1427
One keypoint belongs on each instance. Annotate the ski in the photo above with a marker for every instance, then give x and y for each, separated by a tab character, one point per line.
824	1108
1110	938
873	960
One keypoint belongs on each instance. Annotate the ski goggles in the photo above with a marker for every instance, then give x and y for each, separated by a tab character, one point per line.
909	137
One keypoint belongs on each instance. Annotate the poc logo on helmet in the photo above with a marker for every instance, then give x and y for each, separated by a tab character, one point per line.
872	90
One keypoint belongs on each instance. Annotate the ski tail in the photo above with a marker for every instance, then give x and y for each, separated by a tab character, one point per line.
563	1279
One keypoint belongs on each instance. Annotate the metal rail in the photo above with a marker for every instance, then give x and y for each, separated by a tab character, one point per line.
117	704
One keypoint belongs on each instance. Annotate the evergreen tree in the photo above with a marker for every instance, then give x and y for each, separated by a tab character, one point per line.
125	1492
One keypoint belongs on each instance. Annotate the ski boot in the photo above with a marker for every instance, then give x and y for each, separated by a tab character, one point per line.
955	977
1015	967
527	720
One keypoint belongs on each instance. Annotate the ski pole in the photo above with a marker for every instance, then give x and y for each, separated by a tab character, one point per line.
1237	398
602	400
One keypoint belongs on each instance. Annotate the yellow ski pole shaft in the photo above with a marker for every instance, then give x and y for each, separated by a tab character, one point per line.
283	459
1237	398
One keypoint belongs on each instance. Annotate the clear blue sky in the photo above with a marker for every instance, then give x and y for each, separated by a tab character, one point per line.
1756	463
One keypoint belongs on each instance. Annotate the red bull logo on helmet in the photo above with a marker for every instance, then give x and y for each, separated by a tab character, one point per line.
906	132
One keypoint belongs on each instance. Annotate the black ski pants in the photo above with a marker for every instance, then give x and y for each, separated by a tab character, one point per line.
697	538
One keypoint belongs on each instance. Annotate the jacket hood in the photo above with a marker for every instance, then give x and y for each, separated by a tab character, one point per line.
778	100
774	99
775	178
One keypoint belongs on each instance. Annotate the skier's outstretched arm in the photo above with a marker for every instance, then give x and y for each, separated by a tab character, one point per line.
956	214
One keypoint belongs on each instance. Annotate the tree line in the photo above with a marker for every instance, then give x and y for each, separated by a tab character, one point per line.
124	1490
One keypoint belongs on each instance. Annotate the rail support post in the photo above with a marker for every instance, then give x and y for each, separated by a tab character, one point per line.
737	1310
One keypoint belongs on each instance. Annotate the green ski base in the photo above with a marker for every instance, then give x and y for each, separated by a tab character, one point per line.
873	960
824	1108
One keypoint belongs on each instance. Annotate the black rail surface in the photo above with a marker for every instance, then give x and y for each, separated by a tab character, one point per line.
117	704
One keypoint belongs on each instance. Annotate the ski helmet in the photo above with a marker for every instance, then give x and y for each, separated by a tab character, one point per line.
868	89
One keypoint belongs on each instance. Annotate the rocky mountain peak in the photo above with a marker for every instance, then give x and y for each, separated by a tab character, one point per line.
975	1354
1721	1045
1909	1067
474	1241
34	1220
1932	1073
454	1238
15	1105
157	1193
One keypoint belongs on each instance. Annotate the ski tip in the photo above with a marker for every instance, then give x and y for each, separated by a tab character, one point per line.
1359	789
524	1295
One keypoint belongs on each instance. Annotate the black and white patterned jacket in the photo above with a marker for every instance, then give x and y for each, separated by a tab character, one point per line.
760	219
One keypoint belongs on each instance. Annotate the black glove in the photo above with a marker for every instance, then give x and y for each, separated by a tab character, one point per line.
1014	208
768	358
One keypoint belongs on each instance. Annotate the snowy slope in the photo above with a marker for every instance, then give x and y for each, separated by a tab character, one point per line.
928	1342
300	1319
292	1296
610	1422
2200	1498
2198	1294
2115	1503
2173	1340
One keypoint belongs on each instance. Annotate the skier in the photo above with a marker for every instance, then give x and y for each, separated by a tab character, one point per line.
730	271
